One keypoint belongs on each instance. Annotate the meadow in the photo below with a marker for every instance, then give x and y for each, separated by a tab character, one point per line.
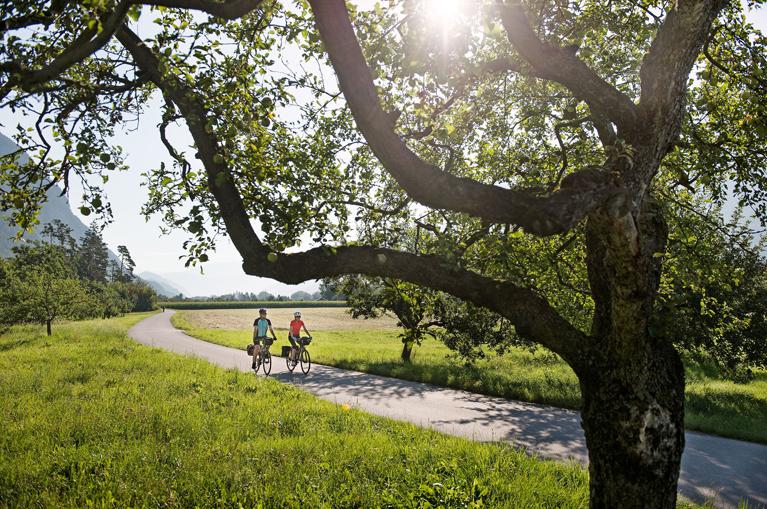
713	403
215	304
91	419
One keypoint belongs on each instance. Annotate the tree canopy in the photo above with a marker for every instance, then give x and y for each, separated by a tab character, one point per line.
541	160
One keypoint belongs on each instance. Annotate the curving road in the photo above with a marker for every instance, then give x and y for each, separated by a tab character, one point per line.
730	470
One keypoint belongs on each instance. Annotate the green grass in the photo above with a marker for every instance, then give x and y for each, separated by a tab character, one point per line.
91	419
194	304
713	404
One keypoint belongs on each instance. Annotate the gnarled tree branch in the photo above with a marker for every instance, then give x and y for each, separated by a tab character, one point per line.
666	67
193	110
230	9
563	66
88	42
91	40
531	314
424	182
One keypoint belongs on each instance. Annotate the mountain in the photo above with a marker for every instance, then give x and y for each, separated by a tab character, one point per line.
160	285
55	207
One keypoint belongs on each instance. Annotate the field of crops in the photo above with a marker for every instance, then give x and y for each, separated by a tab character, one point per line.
204	304
316	319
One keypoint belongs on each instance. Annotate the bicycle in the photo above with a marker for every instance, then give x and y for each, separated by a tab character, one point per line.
264	356
303	356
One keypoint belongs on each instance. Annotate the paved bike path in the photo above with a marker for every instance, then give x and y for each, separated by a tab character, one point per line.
712	466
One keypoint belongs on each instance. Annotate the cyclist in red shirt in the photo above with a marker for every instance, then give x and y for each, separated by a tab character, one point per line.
295	333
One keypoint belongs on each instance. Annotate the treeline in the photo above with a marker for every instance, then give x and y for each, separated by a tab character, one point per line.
61	278
207	304
325	293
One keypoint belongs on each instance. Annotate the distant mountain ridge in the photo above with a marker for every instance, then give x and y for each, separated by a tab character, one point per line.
56	207
160	285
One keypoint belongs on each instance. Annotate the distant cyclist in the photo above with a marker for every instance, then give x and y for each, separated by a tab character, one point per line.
261	326
294	333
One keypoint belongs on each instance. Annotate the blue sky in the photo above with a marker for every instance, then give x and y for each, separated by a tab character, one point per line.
160	253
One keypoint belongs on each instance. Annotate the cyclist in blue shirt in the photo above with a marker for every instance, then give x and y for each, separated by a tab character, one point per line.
261	326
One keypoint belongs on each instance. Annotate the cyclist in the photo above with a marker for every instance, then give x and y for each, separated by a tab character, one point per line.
295	333
261	326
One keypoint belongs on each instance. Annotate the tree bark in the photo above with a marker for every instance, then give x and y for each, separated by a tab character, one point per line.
407	349
48	326
633	417
633	385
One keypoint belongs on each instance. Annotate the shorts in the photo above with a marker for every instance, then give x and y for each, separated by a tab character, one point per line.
292	340
263	340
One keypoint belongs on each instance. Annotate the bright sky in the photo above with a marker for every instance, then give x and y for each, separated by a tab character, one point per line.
160	253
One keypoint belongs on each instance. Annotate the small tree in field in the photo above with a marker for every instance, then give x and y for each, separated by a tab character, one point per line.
43	298
41	286
412	305
563	134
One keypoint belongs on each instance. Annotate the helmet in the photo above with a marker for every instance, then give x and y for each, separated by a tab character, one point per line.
297	313
262	310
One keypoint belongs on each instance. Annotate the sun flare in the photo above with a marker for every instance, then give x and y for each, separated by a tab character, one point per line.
443	13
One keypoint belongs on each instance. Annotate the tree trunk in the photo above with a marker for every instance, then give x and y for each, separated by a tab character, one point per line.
48	326
632	383
633	416
407	349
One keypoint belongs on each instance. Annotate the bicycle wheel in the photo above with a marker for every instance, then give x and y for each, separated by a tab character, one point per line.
258	364
306	361
290	363
267	363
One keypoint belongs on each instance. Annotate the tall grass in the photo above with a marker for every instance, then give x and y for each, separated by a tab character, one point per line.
91	419
713	404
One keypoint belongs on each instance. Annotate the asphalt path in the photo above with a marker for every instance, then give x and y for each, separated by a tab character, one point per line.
729	471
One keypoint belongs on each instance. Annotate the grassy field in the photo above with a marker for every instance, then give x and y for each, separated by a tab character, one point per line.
713	404
317	319
92	419
215	304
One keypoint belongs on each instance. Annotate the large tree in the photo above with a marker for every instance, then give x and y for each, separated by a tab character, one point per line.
564	127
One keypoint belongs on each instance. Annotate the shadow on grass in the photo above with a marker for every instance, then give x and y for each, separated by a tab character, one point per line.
10	345
719	403
553	432
712	467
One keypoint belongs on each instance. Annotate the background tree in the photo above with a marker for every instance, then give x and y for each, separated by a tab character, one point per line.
300	295
45	298
143	296
41	286
372	297
712	293
126	264
265	296
549	126
327	291
57	232
10	312
92	257
115	299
